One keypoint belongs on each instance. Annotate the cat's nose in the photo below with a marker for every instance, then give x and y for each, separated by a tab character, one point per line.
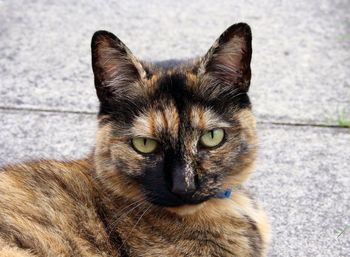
183	181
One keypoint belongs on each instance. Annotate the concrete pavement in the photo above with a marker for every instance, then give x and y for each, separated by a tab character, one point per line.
300	85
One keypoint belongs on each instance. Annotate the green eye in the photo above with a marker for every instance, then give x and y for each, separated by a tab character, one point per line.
212	137
144	145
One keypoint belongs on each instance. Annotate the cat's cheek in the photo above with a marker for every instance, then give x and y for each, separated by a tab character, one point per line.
126	160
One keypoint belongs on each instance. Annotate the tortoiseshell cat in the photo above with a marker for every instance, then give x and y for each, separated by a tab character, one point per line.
173	140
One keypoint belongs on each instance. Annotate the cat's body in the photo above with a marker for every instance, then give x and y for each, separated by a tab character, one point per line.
51	208
158	198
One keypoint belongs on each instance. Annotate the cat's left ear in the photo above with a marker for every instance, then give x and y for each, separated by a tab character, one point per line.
227	63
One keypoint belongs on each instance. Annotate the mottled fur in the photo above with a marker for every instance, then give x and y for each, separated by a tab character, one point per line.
118	202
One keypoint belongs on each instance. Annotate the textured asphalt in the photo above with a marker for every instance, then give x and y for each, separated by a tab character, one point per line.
301	85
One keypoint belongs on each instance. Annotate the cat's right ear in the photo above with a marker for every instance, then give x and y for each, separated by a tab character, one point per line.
118	74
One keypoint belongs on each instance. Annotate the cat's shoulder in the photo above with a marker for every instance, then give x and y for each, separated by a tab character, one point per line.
49	207
36	181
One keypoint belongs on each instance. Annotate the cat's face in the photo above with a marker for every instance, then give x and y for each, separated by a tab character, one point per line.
174	134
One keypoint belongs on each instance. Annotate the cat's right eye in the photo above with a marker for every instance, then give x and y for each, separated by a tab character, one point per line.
144	144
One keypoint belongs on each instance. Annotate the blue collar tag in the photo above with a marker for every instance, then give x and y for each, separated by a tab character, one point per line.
224	194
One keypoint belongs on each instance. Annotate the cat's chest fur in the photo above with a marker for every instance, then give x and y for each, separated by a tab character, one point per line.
142	230
233	237
56	209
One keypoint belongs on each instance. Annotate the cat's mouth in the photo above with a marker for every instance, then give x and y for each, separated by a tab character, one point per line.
159	192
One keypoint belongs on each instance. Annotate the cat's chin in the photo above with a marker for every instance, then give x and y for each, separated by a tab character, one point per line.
186	209
209	209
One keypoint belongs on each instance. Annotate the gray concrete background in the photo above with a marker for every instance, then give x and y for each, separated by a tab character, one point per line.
301	84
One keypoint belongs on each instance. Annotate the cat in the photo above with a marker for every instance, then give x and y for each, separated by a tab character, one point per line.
174	144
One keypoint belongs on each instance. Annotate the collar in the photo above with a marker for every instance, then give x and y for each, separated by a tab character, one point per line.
224	194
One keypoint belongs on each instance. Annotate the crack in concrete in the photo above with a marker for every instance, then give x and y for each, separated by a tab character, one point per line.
290	124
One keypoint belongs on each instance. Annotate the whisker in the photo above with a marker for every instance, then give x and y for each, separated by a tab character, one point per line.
137	222
134	205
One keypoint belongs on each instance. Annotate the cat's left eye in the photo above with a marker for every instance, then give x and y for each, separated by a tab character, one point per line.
212	138
144	144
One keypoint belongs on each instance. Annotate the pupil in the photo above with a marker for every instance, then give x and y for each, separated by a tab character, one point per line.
144	141
212	134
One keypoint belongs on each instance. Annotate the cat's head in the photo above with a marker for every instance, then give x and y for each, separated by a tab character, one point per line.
174	134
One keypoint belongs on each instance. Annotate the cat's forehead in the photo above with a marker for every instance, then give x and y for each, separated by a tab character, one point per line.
173	106
168	119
